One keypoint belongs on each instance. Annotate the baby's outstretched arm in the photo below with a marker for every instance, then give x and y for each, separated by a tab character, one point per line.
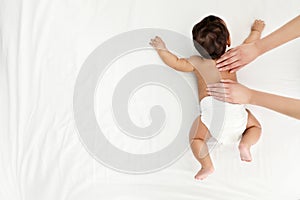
180	64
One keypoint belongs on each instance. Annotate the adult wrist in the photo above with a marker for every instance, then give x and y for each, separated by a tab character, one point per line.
260	49
252	96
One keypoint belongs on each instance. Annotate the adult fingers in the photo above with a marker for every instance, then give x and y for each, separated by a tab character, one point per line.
220	96
217	85
235	69
226	56
226	99
229	64
230	58
217	94
227	81
217	90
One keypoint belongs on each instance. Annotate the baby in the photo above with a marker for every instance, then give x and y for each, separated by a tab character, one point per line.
211	38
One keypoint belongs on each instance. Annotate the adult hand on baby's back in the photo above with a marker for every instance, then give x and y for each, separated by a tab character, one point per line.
230	91
157	43
236	58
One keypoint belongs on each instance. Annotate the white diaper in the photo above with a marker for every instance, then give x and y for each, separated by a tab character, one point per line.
225	121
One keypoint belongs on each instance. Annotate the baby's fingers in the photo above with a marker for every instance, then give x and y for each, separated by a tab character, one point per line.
158	38
153	42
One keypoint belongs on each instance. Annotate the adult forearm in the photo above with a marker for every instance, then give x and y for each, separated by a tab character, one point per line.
284	105
287	32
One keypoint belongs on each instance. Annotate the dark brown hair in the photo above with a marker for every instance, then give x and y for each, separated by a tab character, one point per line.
210	37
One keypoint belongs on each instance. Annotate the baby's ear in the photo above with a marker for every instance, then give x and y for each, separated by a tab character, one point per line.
228	41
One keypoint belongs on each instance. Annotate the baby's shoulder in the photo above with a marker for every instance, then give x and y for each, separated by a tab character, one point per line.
195	60
196	57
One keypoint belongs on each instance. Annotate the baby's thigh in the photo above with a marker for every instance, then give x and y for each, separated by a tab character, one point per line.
199	130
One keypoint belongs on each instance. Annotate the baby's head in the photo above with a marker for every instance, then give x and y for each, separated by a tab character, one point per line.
211	37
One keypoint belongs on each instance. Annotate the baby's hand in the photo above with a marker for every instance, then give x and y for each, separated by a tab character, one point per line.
258	25
158	43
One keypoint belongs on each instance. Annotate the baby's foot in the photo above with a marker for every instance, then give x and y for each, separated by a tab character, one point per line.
245	153
204	172
258	25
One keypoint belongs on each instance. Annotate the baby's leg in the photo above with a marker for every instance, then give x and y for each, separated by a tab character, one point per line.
198	137
256	29
249	138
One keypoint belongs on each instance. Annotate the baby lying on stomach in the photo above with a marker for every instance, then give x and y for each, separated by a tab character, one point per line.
211	38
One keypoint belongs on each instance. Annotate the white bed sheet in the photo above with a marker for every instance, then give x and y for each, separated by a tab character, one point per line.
43	45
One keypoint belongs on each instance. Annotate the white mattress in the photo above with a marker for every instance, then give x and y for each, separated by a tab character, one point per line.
43	46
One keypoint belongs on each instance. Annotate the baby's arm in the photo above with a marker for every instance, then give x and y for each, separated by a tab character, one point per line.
180	64
256	29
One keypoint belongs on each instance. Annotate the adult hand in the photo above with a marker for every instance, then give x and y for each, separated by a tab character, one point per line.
236	58
230	91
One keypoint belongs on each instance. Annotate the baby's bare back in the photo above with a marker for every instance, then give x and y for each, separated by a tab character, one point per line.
206	72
